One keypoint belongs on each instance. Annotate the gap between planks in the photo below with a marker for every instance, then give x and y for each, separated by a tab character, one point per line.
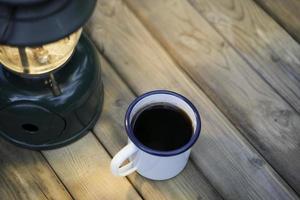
63	184
286	16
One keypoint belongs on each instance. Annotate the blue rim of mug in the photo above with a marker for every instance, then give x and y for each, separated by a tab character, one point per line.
149	150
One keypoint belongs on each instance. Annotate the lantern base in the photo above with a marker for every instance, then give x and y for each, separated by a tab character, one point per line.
44	113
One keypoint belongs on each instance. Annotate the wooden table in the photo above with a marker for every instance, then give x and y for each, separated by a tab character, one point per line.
240	65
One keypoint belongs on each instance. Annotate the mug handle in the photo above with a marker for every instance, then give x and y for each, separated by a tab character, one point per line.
120	157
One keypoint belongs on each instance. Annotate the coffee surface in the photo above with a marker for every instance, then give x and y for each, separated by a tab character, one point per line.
162	127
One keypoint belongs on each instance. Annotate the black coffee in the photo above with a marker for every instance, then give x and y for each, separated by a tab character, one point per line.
162	127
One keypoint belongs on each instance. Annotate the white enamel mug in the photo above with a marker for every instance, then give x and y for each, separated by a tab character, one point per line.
151	163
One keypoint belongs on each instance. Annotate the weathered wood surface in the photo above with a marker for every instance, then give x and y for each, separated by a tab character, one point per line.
286	12
260	40
263	117
230	49
234	168
84	169
25	175
190	184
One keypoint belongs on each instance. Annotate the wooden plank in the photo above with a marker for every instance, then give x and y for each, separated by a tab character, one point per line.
260	40
190	184
286	12
84	169
271	124
234	168
25	174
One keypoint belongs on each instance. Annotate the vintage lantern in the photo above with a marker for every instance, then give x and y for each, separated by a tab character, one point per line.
51	91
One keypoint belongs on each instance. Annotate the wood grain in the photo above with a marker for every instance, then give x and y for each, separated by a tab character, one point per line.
235	169
190	184
271	124
286	12
84	169
260	40
25	174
